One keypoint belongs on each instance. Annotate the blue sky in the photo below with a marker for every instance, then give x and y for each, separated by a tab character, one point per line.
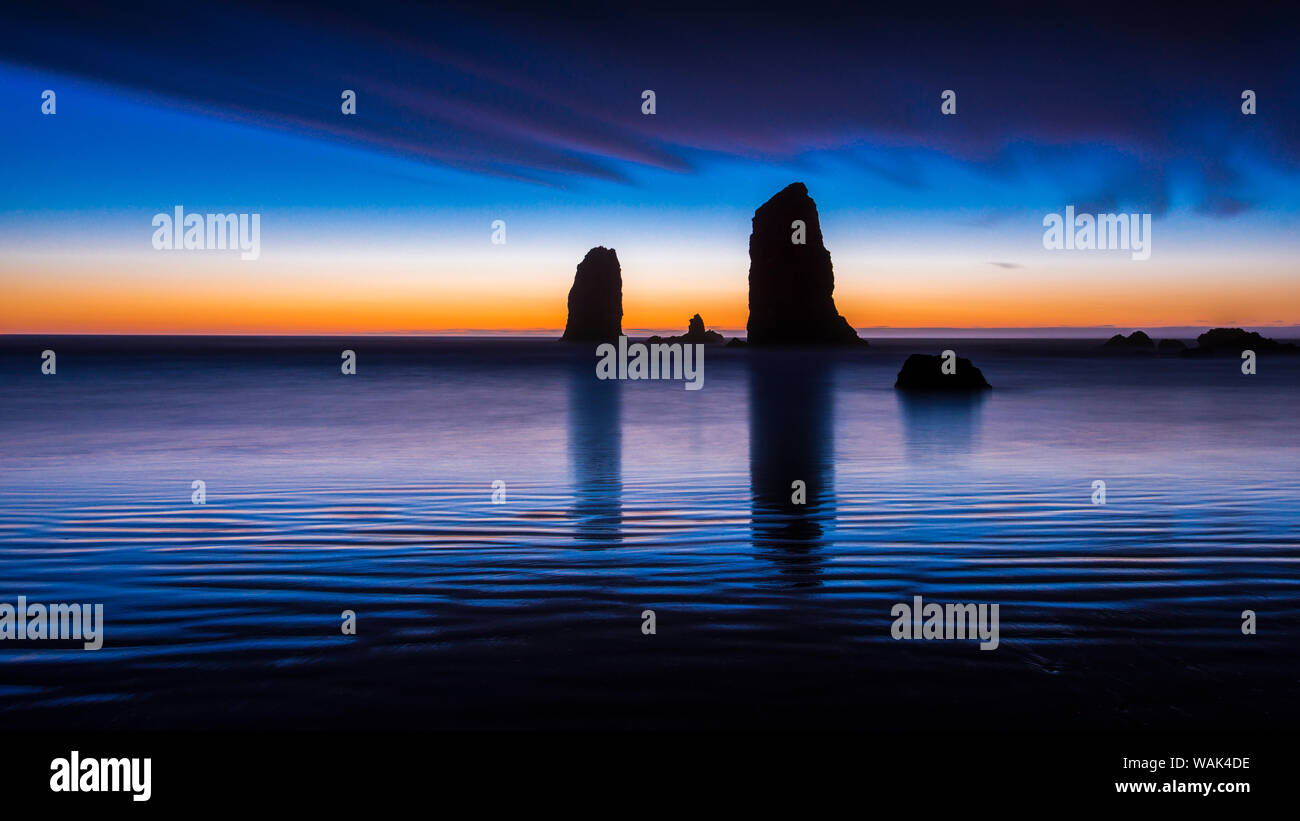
466	116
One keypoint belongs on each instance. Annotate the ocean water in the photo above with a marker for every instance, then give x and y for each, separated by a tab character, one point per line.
373	493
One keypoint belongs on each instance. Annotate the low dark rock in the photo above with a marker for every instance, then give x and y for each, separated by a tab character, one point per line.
1232	341
1171	346
922	372
1136	341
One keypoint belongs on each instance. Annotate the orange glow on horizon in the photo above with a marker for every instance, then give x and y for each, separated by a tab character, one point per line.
298	302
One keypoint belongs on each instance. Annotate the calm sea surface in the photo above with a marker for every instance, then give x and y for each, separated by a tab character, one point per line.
373	493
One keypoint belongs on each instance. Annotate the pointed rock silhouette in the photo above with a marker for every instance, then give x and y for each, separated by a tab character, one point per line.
695	334
791	283
596	299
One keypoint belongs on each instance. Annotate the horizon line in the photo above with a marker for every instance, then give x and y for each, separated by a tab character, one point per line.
888	331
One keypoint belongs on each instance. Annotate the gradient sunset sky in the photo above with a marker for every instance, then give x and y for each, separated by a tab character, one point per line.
381	222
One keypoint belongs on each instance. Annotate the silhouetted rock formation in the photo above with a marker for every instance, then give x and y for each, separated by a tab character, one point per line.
695	334
1136	341
596	299
922	372
1171	346
1232	341
791	284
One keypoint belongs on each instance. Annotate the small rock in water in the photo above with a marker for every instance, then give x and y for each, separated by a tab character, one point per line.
922	372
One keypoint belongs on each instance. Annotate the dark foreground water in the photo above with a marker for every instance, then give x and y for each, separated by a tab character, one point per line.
372	493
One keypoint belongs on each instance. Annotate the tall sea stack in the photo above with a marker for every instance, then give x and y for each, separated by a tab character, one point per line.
791	283
596	299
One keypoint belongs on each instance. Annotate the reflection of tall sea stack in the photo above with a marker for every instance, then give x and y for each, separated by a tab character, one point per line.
596	299
790	283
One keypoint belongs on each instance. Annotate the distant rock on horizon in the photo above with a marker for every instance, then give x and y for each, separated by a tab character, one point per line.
695	335
1136	341
1232	341
596	299
922	372
791	284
